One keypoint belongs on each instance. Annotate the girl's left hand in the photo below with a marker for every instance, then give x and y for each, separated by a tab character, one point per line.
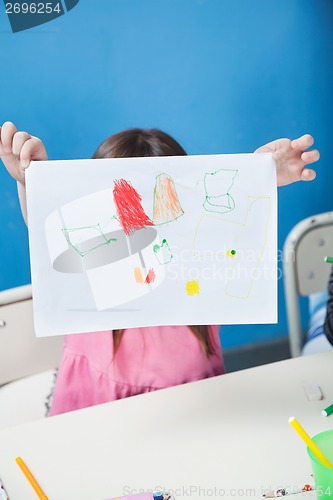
291	159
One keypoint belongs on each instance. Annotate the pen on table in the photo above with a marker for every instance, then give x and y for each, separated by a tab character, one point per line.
310	443
40	493
281	492
3	494
329	260
327	411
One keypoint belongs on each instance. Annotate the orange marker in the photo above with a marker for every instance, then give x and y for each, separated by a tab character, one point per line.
31	479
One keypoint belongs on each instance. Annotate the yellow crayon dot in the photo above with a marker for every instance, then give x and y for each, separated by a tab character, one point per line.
192	288
231	253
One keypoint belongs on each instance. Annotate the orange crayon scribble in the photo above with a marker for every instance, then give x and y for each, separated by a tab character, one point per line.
173	198
167	206
138	276
192	288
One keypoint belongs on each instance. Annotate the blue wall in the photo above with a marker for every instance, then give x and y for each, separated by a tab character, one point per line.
219	75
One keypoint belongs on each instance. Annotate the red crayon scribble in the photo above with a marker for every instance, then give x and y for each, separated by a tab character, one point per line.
150	278
130	211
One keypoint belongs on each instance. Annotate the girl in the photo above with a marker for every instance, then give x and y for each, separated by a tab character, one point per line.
103	366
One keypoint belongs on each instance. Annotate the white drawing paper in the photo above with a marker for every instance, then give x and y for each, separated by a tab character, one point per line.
132	242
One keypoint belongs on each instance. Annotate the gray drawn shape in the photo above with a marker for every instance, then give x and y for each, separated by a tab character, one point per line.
102	252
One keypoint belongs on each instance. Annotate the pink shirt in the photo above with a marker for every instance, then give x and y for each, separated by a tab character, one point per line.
147	359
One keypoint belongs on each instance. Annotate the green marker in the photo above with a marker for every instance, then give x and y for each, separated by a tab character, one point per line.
329	260
233	252
327	411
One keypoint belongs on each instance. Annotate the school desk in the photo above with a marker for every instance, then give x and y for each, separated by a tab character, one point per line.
222	437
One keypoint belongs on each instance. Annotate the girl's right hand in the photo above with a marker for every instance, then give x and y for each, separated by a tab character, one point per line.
17	149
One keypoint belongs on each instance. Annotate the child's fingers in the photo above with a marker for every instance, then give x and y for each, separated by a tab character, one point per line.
18	140
302	143
310	156
308	174
12	164
8	131
32	149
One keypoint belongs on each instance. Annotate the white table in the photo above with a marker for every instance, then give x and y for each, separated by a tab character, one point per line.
229	433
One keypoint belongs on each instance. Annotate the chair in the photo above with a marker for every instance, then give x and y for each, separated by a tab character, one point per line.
27	363
305	271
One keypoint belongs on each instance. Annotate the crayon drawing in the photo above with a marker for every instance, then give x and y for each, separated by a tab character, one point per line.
131	214
166	202
163	253
124	243
97	240
250	234
217	189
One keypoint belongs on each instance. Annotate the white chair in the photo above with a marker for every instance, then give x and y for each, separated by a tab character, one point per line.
305	271
27	363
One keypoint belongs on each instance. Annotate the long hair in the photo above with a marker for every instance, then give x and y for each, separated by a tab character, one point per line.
137	142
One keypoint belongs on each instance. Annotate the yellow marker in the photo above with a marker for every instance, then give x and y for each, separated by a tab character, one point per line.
311	444
192	288
40	493
231	253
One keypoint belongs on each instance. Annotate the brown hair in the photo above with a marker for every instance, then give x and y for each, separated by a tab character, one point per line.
137	142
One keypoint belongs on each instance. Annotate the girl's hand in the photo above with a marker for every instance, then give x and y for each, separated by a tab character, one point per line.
291	159
17	149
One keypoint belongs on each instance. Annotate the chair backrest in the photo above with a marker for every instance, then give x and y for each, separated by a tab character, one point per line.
305	271
21	353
